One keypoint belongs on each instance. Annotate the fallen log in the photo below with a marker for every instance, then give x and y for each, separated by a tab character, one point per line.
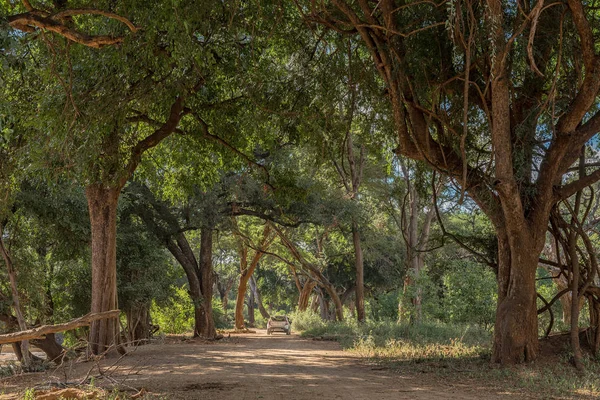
40	332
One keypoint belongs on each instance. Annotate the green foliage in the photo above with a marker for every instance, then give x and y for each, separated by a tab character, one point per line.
430	295
383	306
221	322
29	394
276	287
144	269
470	294
259	321
269	106
306	320
177	315
420	337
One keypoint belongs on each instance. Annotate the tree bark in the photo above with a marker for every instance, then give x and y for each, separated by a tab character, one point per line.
138	323
102	204
251	307
208	329
416	244
12	277
246	271
54	351
198	275
316	274
574	258
11	323
224	290
239	303
41	331
305	292
339	307
415	257
314	305
324	308
258	297
517	201
516	327
360	274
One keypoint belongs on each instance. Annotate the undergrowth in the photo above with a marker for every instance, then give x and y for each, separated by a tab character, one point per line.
458	353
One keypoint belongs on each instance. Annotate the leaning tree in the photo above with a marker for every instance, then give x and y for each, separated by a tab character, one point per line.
502	98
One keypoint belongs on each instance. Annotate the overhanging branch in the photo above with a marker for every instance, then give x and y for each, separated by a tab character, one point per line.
570	189
38	19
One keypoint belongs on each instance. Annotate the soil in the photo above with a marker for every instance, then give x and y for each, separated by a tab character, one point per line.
254	366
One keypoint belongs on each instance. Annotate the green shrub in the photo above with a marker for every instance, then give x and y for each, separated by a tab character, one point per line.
177	316
221	320
470	295
383	306
430	298
305	320
259	321
419	337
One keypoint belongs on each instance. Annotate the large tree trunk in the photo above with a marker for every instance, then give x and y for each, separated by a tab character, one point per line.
48	345
198	275
305	292
102	204
314	305
360	272
208	329
239	302
516	328
324	308
415	258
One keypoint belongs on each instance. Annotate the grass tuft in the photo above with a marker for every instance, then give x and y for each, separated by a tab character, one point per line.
460	353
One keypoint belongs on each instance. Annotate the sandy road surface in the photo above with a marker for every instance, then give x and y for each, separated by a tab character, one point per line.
257	366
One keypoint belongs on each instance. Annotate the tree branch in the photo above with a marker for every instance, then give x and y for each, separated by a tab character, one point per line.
40	332
177	112
570	189
206	133
33	19
89	11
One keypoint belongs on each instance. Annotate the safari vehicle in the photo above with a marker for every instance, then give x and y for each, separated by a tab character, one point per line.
279	323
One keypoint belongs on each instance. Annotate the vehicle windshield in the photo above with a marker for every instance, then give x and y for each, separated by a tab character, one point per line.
279	318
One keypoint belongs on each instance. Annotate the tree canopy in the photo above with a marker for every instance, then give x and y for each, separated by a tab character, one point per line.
408	160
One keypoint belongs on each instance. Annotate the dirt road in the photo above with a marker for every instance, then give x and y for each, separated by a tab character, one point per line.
257	366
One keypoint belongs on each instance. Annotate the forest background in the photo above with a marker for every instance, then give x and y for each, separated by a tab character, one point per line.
205	167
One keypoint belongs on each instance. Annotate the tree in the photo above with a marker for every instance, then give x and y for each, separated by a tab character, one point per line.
142	90
163	222
11	144
313	269
414	222
249	256
492	102
142	275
